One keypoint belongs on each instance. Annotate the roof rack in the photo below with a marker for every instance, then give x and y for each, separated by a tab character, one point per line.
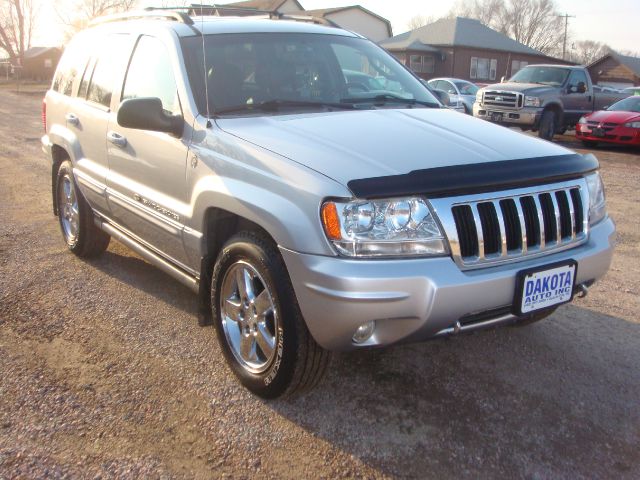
174	13
149	13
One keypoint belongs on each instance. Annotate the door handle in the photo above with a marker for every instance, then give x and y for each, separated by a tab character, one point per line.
117	139
72	118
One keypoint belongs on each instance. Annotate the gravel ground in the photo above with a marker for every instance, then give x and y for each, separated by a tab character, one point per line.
104	372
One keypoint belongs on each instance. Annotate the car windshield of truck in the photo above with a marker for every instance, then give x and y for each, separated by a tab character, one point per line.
466	88
631	104
543	75
280	72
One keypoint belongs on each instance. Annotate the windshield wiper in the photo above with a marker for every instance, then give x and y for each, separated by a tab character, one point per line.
387	97
276	105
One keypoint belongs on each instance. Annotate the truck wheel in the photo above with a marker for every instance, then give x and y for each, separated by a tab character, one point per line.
589	143
76	217
547	128
260	327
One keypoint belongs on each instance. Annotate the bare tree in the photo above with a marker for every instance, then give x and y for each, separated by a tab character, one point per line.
534	23
17	23
418	21
587	51
86	10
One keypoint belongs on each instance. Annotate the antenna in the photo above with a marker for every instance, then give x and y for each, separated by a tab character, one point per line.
204	63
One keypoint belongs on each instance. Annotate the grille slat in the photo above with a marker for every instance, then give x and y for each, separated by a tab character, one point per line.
510	227
507	100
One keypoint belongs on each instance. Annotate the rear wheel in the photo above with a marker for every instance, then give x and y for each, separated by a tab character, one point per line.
259	324
548	125
76	217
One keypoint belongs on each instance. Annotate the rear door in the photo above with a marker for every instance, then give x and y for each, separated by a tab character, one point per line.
147	170
87	115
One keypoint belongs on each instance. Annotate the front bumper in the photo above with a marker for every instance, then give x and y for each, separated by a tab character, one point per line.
415	299
620	135
525	117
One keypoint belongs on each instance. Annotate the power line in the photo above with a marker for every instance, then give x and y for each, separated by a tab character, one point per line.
564	42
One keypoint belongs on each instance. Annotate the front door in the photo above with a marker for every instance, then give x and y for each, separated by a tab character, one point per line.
578	99
146	182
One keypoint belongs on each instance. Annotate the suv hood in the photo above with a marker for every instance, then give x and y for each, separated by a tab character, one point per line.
350	145
527	88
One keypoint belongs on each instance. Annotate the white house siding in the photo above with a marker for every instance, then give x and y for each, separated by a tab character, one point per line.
289	6
360	22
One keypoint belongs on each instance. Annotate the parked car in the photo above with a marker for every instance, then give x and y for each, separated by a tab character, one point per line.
548	99
619	123
631	90
230	153
447	100
458	89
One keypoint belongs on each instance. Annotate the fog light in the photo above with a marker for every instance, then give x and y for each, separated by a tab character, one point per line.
364	332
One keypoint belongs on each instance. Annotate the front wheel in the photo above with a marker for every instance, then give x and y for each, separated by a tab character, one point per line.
547	128
76	217
259	324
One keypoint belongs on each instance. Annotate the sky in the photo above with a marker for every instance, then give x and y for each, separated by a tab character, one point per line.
614	23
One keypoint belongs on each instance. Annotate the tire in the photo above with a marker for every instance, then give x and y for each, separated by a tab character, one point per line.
547	128
258	321
76	218
589	143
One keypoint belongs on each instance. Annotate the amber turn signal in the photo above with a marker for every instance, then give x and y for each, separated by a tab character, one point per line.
331	221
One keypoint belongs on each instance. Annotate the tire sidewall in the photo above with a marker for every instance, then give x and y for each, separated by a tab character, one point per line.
277	377
548	125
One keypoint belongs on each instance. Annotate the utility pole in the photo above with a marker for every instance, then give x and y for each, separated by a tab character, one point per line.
564	42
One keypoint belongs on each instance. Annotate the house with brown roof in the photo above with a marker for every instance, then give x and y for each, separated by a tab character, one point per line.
462	48
615	70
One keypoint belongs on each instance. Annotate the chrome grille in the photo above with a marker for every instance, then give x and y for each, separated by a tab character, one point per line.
508	100
506	226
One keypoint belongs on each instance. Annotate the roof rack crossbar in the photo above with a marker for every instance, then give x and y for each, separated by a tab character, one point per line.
148	14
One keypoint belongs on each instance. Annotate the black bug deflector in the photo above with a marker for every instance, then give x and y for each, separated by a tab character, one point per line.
476	178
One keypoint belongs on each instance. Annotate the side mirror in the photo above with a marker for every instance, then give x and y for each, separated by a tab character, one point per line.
147	114
442	96
606	107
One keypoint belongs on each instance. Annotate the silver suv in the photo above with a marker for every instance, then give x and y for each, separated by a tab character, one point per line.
308	210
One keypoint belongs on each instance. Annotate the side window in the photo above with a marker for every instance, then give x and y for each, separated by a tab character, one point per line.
86	78
150	74
70	67
108	66
577	77
449	88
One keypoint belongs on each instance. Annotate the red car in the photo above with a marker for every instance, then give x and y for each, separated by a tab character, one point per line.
620	124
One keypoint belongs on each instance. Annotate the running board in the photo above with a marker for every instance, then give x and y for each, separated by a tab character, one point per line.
150	256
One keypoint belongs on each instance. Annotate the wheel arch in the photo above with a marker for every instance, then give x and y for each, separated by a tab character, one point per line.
58	155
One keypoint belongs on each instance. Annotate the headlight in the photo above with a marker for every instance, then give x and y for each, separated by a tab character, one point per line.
597	202
582	120
632	124
382	228
479	96
531	102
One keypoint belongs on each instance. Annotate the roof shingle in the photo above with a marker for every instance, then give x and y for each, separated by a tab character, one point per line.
457	32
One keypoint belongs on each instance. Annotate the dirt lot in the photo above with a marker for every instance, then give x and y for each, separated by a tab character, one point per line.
104	372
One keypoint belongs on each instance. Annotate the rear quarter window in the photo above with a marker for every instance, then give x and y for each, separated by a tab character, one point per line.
71	66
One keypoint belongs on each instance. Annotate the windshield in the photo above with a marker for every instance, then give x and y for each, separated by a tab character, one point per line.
630	104
544	75
292	70
466	88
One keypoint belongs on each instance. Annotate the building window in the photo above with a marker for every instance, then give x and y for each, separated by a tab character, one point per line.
483	68
422	63
517	65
